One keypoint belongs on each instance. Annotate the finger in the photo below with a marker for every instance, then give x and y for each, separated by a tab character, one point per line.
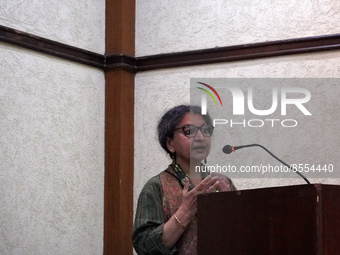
211	187
222	184
204	185
209	182
214	188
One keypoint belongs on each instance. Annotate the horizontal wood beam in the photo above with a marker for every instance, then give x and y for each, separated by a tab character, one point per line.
128	62
239	52
50	47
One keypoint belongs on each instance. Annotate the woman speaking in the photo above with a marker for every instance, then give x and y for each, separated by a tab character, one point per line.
166	221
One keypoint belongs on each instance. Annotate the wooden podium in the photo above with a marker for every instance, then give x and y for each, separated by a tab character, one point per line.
291	220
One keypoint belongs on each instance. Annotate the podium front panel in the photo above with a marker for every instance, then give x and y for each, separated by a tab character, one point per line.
281	220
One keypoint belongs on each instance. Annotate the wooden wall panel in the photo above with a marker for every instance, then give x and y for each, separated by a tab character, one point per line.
119	157
119	130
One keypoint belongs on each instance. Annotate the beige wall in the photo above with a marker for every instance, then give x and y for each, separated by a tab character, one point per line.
77	23
52	111
202	24
171	26
52	133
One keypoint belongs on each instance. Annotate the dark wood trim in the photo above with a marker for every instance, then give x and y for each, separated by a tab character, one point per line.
239	52
119	162
120	27
50	47
119	126
120	56
123	61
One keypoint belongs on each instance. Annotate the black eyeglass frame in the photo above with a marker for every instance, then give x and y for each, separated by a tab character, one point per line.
210	130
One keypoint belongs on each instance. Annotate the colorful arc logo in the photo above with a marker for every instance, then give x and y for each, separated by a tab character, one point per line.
209	93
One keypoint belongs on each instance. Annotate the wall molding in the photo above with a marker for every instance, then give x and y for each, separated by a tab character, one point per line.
239	52
171	60
50	47
123	61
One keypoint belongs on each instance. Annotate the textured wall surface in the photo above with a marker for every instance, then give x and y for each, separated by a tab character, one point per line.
77	23
52	155
175	26
160	90
171	26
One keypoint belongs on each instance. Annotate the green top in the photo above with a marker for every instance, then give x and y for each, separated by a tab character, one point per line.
149	220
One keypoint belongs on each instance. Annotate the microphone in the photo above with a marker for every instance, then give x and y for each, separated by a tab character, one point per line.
229	149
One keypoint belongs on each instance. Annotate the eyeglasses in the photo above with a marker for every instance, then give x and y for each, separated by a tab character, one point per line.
191	130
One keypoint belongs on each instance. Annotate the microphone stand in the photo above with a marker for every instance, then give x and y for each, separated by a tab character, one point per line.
228	149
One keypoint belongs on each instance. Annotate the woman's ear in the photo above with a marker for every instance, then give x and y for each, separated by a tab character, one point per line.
170	145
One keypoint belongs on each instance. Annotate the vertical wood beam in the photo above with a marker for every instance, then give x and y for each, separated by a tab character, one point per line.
119	130
120	27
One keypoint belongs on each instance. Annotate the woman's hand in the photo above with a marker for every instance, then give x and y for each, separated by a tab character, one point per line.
189	201
174	228
223	183
188	209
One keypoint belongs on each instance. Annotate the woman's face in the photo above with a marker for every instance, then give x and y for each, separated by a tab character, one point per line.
195	148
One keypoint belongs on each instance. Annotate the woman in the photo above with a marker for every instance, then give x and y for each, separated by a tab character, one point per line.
166	221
